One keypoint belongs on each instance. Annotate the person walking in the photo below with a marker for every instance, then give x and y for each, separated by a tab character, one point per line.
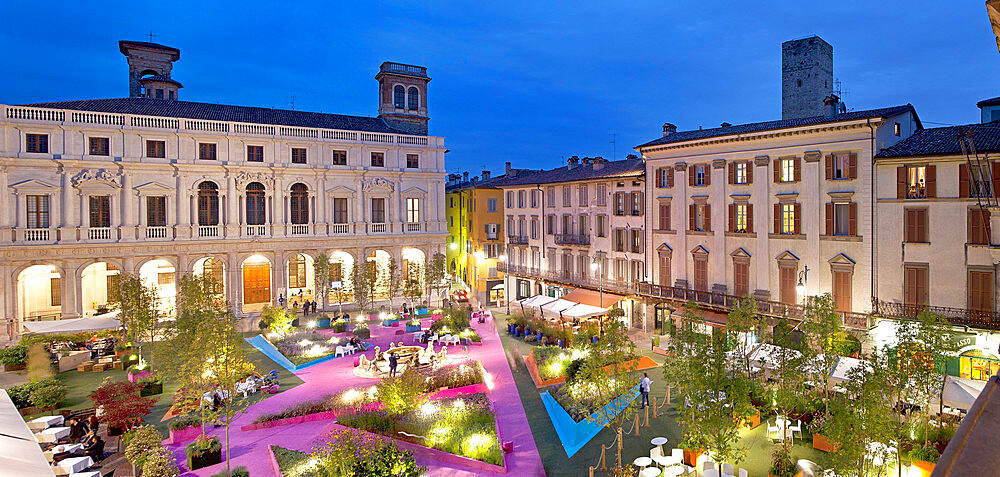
393	361
644	389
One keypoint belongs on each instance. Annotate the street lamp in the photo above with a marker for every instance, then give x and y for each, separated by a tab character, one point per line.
503	259
801	286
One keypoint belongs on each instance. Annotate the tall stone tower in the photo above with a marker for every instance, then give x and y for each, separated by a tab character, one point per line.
806	77
149	66
402	93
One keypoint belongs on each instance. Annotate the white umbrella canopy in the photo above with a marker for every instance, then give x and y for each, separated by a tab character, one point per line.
92	323
20	454
583	310
536	300
960	393
558	305
845	365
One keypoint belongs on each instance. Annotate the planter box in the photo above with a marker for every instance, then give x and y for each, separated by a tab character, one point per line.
151	390
14	367
421	311
820	443
437	316
340	327
925	467
134	377
411	328
574	435
324	323
204	460
363	333
74	359
691	456
372	316
186	434
748	422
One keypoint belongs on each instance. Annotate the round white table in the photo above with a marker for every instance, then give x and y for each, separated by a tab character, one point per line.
642	461
658	442
673	471
650	472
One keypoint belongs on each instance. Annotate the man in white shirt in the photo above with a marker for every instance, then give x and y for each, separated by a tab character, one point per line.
644	389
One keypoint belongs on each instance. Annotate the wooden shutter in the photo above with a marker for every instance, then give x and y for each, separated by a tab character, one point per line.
995	169
670	177
708	217
732	218
660	172
963	179
901	182
798	218
909	225
842	290
732	173
852	166
642	203
797	168
708	174
777	218
829	218
750	172
749	218
829	167
921	224
852	219
692	209
664	269
776	166
691	176
931	189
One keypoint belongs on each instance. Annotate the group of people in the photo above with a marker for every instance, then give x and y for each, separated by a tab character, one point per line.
358	343
86	429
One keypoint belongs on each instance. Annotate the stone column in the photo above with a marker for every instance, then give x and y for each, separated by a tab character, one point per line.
232	209
72	289
763	223
129	218
279	277
234	282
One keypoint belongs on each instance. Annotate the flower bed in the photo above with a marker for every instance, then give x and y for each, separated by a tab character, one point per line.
269	350
554	362
349	398
464	426
304	346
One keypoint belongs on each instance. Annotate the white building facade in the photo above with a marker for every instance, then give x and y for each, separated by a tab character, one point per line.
160	187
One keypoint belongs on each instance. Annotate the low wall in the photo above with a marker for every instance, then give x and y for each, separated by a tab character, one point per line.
268	349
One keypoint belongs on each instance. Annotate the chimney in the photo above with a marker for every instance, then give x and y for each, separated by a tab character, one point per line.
465	177
831	106
599	162
507	167
572	162
725	125
669	129
486	175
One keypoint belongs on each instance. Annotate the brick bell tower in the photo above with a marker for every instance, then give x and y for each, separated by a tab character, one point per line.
149	66
402	95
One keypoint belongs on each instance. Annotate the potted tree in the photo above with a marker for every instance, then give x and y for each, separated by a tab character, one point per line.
362	331
818	426
924	458
184	427
339	325
143	441
121	349
121	405
137	372
151	386
781	462
412	325
203	452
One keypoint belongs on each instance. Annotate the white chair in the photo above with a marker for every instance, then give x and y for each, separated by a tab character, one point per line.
773	430
797	427
728	470
654	453
707	466
743	472
339	352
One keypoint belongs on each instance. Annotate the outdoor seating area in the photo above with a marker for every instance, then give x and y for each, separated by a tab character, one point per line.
70	445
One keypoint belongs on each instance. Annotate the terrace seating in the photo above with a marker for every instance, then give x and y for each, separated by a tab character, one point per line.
796	428
340	351
728	470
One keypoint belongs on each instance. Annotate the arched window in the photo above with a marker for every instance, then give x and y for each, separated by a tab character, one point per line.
208	203
399	96
300	204
256	214
413	98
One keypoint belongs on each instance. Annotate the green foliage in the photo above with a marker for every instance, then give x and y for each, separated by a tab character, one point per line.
143	441
39	364
138	306
354	454
275	319
399	395
160	464
321	278
362	331
14	355
413	283
184	422
927	453
782	464
435	273
743	321
240	471
48	395
293	463
21	394
203	445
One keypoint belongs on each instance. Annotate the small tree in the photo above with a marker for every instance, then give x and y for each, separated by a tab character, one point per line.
393	280
823	330
933	333
321	280
351	453
120	403
39	363
402	394
744	322
436	272
275	319
413	286
138	309
362	284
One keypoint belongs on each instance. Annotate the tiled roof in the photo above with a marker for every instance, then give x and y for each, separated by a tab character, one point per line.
224	112
124	43
944	141
988	102
582	172
492	182
162	79
681	136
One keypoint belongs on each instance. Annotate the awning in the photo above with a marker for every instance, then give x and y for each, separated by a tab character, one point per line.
92	323
21	455
558	305
960	393
845	365
583	310
593	297
536	301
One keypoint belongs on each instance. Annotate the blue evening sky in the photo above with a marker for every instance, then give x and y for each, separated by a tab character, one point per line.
527	82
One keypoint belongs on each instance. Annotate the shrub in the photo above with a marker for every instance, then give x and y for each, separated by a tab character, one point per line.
21	394
353	454
121	403
926	454
142	442
203	445
14	355
39	363
184	422
399	395
782	464
160	464
276	320
453	375
48	395
240	471
362	331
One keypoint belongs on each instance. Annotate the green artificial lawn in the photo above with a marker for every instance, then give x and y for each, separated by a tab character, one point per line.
554	455
288	460
79	386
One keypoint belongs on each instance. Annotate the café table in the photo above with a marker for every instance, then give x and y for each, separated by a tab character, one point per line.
61	448
658	442
44	422
650	472
86	473
673	471
72	464
642	461
52	434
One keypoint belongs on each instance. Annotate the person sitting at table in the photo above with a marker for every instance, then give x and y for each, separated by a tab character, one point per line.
93	446
77	428
93	424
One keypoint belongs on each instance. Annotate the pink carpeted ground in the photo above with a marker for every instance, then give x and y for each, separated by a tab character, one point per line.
249	448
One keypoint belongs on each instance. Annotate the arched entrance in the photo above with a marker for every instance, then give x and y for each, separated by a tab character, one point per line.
341	269
413	264
256	282
161	275
39	293
211	267
96	282
301	279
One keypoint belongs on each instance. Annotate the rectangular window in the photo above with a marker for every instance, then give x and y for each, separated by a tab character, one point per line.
297	272
664	216
534	198
156	149
916	182
534	227
413	161
663	176
979	227
550	224
165	278
38	211
701	272
980	290
567	200
786	170
583	195
636	240
55	291
787	283
787	219
255	153
510	199
741	277
100	211
339	158
206	151
915	225
378	210
36	143
664	269
842	219
700	171
298	155
842	290
340	210
740	219
915	285
619	203
619	240
602	195
412	210
895	129
635	202
701	220
378	159
841	166
100	146
602	225
491	205
156	211
567	225
520	199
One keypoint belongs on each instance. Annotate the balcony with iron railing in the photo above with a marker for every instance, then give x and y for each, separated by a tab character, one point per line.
517	239
572	239
982	319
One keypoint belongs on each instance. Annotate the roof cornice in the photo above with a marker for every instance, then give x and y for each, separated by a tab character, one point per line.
769	134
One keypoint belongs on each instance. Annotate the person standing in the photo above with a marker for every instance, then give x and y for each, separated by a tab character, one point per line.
393	361
644	389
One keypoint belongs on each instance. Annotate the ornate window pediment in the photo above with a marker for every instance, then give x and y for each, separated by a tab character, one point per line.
699	250
340	190
95	179
377	184
841	259
246	177
664	248
740	252
154	188
787	256
33	185
414	192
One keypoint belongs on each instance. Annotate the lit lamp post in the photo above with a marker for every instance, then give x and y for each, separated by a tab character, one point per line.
801	286
595	267
503	260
